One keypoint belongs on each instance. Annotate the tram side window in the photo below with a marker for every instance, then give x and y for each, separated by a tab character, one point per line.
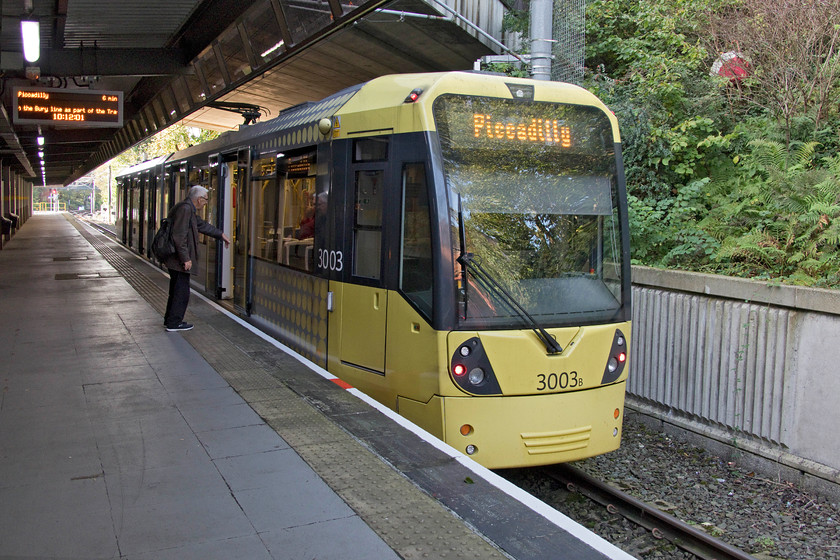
266	203
196	177
298	212
367	227
416	274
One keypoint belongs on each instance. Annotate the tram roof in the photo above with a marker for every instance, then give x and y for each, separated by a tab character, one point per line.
180	60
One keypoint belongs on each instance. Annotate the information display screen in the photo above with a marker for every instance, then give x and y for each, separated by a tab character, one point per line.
493	124
74	108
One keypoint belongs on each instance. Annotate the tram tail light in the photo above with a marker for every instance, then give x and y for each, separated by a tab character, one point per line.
459	370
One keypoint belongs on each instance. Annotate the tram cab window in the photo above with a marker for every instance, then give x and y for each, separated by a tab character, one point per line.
370	149
367	228
416	275
369	155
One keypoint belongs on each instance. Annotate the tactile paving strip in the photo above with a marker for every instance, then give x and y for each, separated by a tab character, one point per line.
410	521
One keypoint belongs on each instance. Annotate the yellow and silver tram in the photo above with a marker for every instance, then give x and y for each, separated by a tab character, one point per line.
453	244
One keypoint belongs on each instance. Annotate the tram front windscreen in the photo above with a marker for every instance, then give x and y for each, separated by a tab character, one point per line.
534	210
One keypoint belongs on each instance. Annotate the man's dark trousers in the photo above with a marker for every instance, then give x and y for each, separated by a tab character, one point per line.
179	298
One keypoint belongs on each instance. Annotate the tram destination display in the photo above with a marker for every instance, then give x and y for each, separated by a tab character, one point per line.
490	124
74	108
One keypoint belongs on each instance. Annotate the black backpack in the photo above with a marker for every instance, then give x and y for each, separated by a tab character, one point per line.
162	245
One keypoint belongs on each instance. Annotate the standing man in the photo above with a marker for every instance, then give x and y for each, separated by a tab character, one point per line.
186	225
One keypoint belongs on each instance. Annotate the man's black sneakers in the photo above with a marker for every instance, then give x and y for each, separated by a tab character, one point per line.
181	327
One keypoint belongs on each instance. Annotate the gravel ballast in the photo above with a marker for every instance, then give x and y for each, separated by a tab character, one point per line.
770	519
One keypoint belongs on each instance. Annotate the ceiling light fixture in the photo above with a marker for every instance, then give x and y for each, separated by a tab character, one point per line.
31	33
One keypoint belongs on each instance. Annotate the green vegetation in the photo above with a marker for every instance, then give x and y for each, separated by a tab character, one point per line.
736	177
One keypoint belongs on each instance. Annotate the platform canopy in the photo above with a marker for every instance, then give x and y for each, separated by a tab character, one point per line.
213	64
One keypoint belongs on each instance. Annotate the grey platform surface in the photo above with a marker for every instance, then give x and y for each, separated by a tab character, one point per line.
120	440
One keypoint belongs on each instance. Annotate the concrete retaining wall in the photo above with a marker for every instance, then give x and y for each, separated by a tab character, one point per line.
755	364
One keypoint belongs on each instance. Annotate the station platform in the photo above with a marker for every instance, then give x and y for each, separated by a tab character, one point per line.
119	440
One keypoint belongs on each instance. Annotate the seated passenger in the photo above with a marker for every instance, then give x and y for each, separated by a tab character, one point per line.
307	223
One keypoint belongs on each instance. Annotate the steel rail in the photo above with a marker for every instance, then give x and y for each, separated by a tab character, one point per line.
661	524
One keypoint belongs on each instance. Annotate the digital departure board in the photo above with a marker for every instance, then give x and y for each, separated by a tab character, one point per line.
74	108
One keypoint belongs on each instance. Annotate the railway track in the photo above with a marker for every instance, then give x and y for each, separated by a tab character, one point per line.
660	524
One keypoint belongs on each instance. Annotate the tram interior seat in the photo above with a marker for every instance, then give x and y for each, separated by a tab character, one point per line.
5	226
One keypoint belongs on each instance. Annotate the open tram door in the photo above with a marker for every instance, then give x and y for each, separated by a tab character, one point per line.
221	184
237	176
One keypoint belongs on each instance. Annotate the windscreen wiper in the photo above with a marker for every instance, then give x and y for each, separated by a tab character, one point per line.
462	237
469	262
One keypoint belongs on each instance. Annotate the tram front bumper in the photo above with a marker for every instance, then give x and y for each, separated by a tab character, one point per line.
505	432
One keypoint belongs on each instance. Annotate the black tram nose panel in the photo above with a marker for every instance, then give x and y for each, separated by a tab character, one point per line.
467	360
617	359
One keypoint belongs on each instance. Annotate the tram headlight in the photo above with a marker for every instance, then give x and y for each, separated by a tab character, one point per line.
476	376
616	359
471	370
471	449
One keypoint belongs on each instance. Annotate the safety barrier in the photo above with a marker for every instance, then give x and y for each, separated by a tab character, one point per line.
752	363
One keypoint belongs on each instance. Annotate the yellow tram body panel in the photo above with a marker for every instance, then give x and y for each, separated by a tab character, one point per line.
523	367
522	426
537	429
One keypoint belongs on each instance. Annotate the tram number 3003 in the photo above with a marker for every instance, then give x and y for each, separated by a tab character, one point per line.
330	260
554	381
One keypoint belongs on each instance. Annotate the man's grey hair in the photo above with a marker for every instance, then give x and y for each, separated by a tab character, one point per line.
196	192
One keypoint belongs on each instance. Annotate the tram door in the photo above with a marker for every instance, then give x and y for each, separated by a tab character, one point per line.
365	301
135	230
151	210
240	227
220	183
